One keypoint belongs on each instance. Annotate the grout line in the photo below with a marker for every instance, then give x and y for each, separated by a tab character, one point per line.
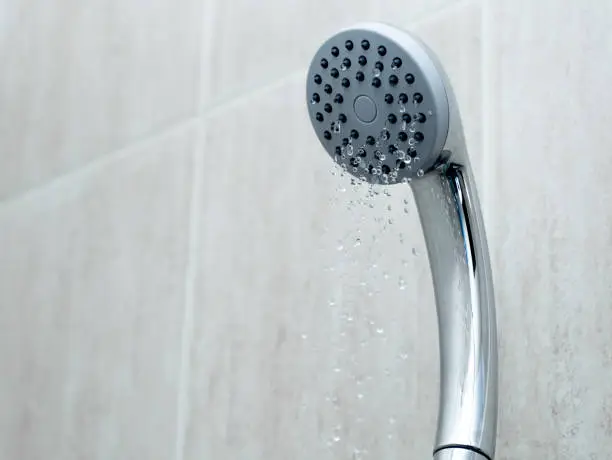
207	42
189	296
97	164
207	24
222	105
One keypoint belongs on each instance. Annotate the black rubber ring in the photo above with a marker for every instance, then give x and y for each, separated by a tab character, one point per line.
462	446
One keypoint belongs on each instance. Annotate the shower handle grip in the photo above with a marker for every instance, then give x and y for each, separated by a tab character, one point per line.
454	232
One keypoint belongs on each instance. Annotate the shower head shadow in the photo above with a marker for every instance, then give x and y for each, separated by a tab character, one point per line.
383	108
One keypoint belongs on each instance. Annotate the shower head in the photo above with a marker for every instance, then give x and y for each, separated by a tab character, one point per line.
384	110
380	103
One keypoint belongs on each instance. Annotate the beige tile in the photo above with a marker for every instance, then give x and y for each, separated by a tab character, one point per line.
254	44
314	321
91	306
81	79
551	241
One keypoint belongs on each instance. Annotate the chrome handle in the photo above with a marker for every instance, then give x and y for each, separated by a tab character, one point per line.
458	255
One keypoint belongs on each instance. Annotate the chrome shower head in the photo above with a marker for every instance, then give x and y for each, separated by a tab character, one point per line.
383	108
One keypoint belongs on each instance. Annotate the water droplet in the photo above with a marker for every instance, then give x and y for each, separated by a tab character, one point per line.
402	283
405	180
357	242
380	330
376	72
336	438
411	141
340	247
420	173
331	302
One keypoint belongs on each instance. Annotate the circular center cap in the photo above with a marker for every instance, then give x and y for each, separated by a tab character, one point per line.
365	109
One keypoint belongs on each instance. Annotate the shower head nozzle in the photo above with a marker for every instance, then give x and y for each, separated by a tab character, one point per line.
379	103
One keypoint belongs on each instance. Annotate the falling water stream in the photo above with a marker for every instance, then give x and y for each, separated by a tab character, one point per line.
376	242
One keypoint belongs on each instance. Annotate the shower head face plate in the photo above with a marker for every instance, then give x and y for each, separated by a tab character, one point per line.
378	104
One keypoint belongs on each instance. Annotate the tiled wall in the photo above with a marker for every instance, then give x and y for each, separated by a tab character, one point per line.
182	276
